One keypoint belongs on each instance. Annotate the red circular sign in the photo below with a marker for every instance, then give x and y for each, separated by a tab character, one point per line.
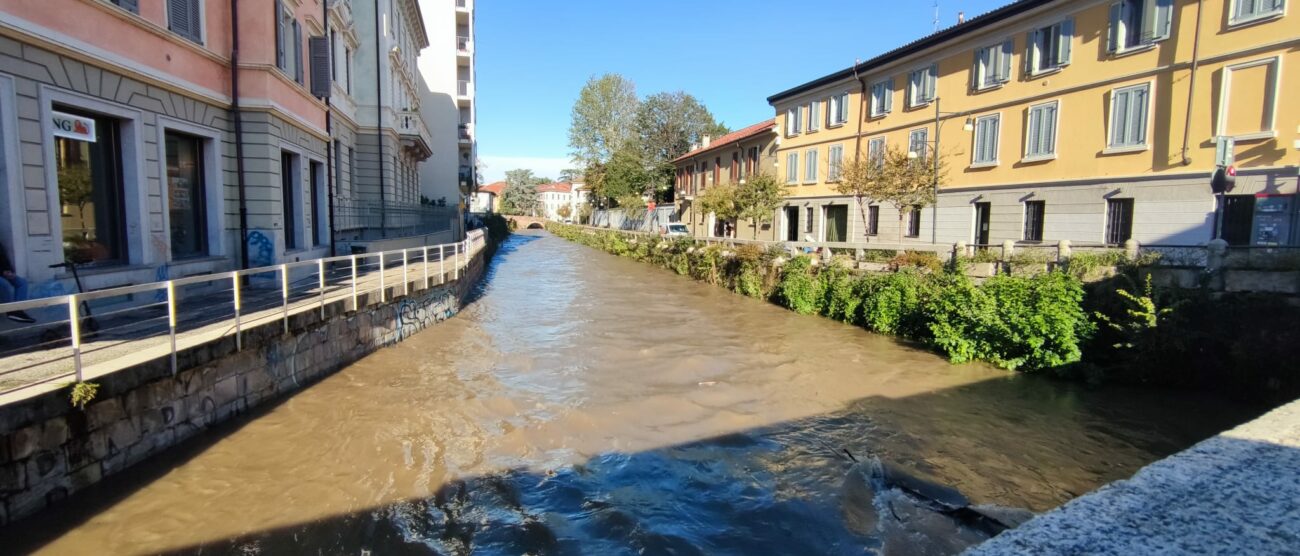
1232	171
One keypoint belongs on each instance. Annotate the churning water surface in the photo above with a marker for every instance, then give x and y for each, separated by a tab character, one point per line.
586	404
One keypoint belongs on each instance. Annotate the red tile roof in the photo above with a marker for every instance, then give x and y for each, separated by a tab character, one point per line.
731	138
495	187
558	187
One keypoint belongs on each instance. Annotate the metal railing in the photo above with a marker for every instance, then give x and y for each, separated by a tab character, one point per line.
85	335
462	44
392	219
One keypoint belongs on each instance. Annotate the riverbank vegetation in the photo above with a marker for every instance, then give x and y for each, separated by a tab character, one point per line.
1122	329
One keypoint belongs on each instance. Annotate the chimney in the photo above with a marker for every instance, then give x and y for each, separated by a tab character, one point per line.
705	139
961	18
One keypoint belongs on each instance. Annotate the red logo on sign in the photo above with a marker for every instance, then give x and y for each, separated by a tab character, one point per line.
1232	171
80	127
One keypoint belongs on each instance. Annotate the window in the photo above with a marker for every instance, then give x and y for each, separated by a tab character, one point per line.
882	98
318	234
873	220
288	43
132	6
1048	48
916	143
914	222
992	66
91	194
792	168
183	18
352	172
185	195
921	86
835	223
814	116
1034	212
1040	135
835	161
1138	23
1238	219
794	121
986	140
289	198
838	112
1244	11
876	150
1128	116
717	169
734	171
1119	221
347	68
810	166
808	220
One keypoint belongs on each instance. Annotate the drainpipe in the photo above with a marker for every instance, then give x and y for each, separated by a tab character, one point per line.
329	132
239	133
1191	83
379	119
862	109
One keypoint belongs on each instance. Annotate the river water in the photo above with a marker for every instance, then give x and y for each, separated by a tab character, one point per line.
590	404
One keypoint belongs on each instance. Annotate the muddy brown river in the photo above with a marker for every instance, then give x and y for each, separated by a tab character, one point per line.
586	404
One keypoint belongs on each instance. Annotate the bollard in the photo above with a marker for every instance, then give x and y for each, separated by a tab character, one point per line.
959	249
1063	251
74	333
1008	249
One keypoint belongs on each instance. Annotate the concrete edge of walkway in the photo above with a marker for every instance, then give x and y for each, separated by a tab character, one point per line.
1235	493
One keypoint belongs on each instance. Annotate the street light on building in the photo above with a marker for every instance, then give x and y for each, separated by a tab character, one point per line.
938	123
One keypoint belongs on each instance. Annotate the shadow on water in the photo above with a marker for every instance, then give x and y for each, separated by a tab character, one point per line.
743	442
772	489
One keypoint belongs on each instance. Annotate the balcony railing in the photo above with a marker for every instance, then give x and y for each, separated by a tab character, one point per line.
463	87
463	44
391	219
466	131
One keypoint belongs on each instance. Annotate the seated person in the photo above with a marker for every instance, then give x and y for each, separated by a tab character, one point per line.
12	288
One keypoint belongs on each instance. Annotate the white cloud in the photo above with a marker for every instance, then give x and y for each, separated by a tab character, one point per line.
541	166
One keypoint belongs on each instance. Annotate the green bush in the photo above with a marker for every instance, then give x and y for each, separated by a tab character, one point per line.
922	260
839	297
895	303
799	290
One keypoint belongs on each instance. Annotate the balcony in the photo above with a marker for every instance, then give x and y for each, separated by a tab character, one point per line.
464	45
414	134
466	133
464	90
463	8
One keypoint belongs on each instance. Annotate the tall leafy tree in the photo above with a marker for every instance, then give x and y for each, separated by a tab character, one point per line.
758	198
625	176
858	179
905	183
520	193
667	124
602	119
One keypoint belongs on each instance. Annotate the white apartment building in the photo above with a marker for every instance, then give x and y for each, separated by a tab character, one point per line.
447	101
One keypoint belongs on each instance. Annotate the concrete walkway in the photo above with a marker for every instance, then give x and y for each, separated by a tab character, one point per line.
202	319
1236	493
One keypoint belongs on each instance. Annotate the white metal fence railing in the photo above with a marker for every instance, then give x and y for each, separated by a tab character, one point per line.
93	333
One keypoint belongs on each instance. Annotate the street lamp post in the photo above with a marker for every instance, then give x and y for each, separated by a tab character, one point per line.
938	124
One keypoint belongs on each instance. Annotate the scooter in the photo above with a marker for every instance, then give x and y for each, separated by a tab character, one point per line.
88	323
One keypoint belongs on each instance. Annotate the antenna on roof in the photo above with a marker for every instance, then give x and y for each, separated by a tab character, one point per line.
936	16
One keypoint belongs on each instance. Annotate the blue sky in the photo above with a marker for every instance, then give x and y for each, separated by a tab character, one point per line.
535	55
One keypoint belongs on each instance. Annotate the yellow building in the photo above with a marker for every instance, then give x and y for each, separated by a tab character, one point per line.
1093	121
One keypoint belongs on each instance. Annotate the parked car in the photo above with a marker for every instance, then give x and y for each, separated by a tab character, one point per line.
674	229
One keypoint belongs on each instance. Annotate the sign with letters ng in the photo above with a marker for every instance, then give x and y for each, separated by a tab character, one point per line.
72	126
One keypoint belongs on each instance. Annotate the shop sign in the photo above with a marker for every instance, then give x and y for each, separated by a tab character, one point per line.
73	127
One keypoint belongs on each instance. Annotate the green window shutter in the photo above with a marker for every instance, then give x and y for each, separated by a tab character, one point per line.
1004	67
280	36
297	51
132	6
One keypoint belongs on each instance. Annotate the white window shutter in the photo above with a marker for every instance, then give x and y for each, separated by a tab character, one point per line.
1066	42
1119	117
1163	19
976	77
932	82
1113	37
1031	44
889	95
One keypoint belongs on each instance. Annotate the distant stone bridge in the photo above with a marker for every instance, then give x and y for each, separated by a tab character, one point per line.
523	222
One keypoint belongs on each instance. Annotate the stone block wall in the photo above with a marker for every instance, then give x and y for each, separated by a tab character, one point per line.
50	449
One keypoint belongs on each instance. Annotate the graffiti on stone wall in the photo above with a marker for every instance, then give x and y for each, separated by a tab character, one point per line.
414	315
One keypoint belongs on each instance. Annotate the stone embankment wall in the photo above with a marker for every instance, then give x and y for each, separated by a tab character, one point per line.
50	449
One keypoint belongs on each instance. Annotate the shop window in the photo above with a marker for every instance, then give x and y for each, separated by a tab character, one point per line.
185	196
89	173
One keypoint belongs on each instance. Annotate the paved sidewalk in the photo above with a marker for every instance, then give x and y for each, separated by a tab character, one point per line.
141	334
1236	493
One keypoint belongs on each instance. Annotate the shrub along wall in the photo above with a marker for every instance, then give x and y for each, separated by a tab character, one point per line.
1117	330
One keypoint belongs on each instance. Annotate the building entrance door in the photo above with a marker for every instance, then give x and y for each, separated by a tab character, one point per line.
982	211
792	223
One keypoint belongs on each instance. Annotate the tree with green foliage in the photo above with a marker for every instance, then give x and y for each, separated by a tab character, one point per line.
520	194
857	179
719	200
625	176
602	119
903	182
667	125
757	199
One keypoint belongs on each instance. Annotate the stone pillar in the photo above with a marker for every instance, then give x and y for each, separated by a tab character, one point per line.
1131	249
1062	251
959	249
1215	255
1008	249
